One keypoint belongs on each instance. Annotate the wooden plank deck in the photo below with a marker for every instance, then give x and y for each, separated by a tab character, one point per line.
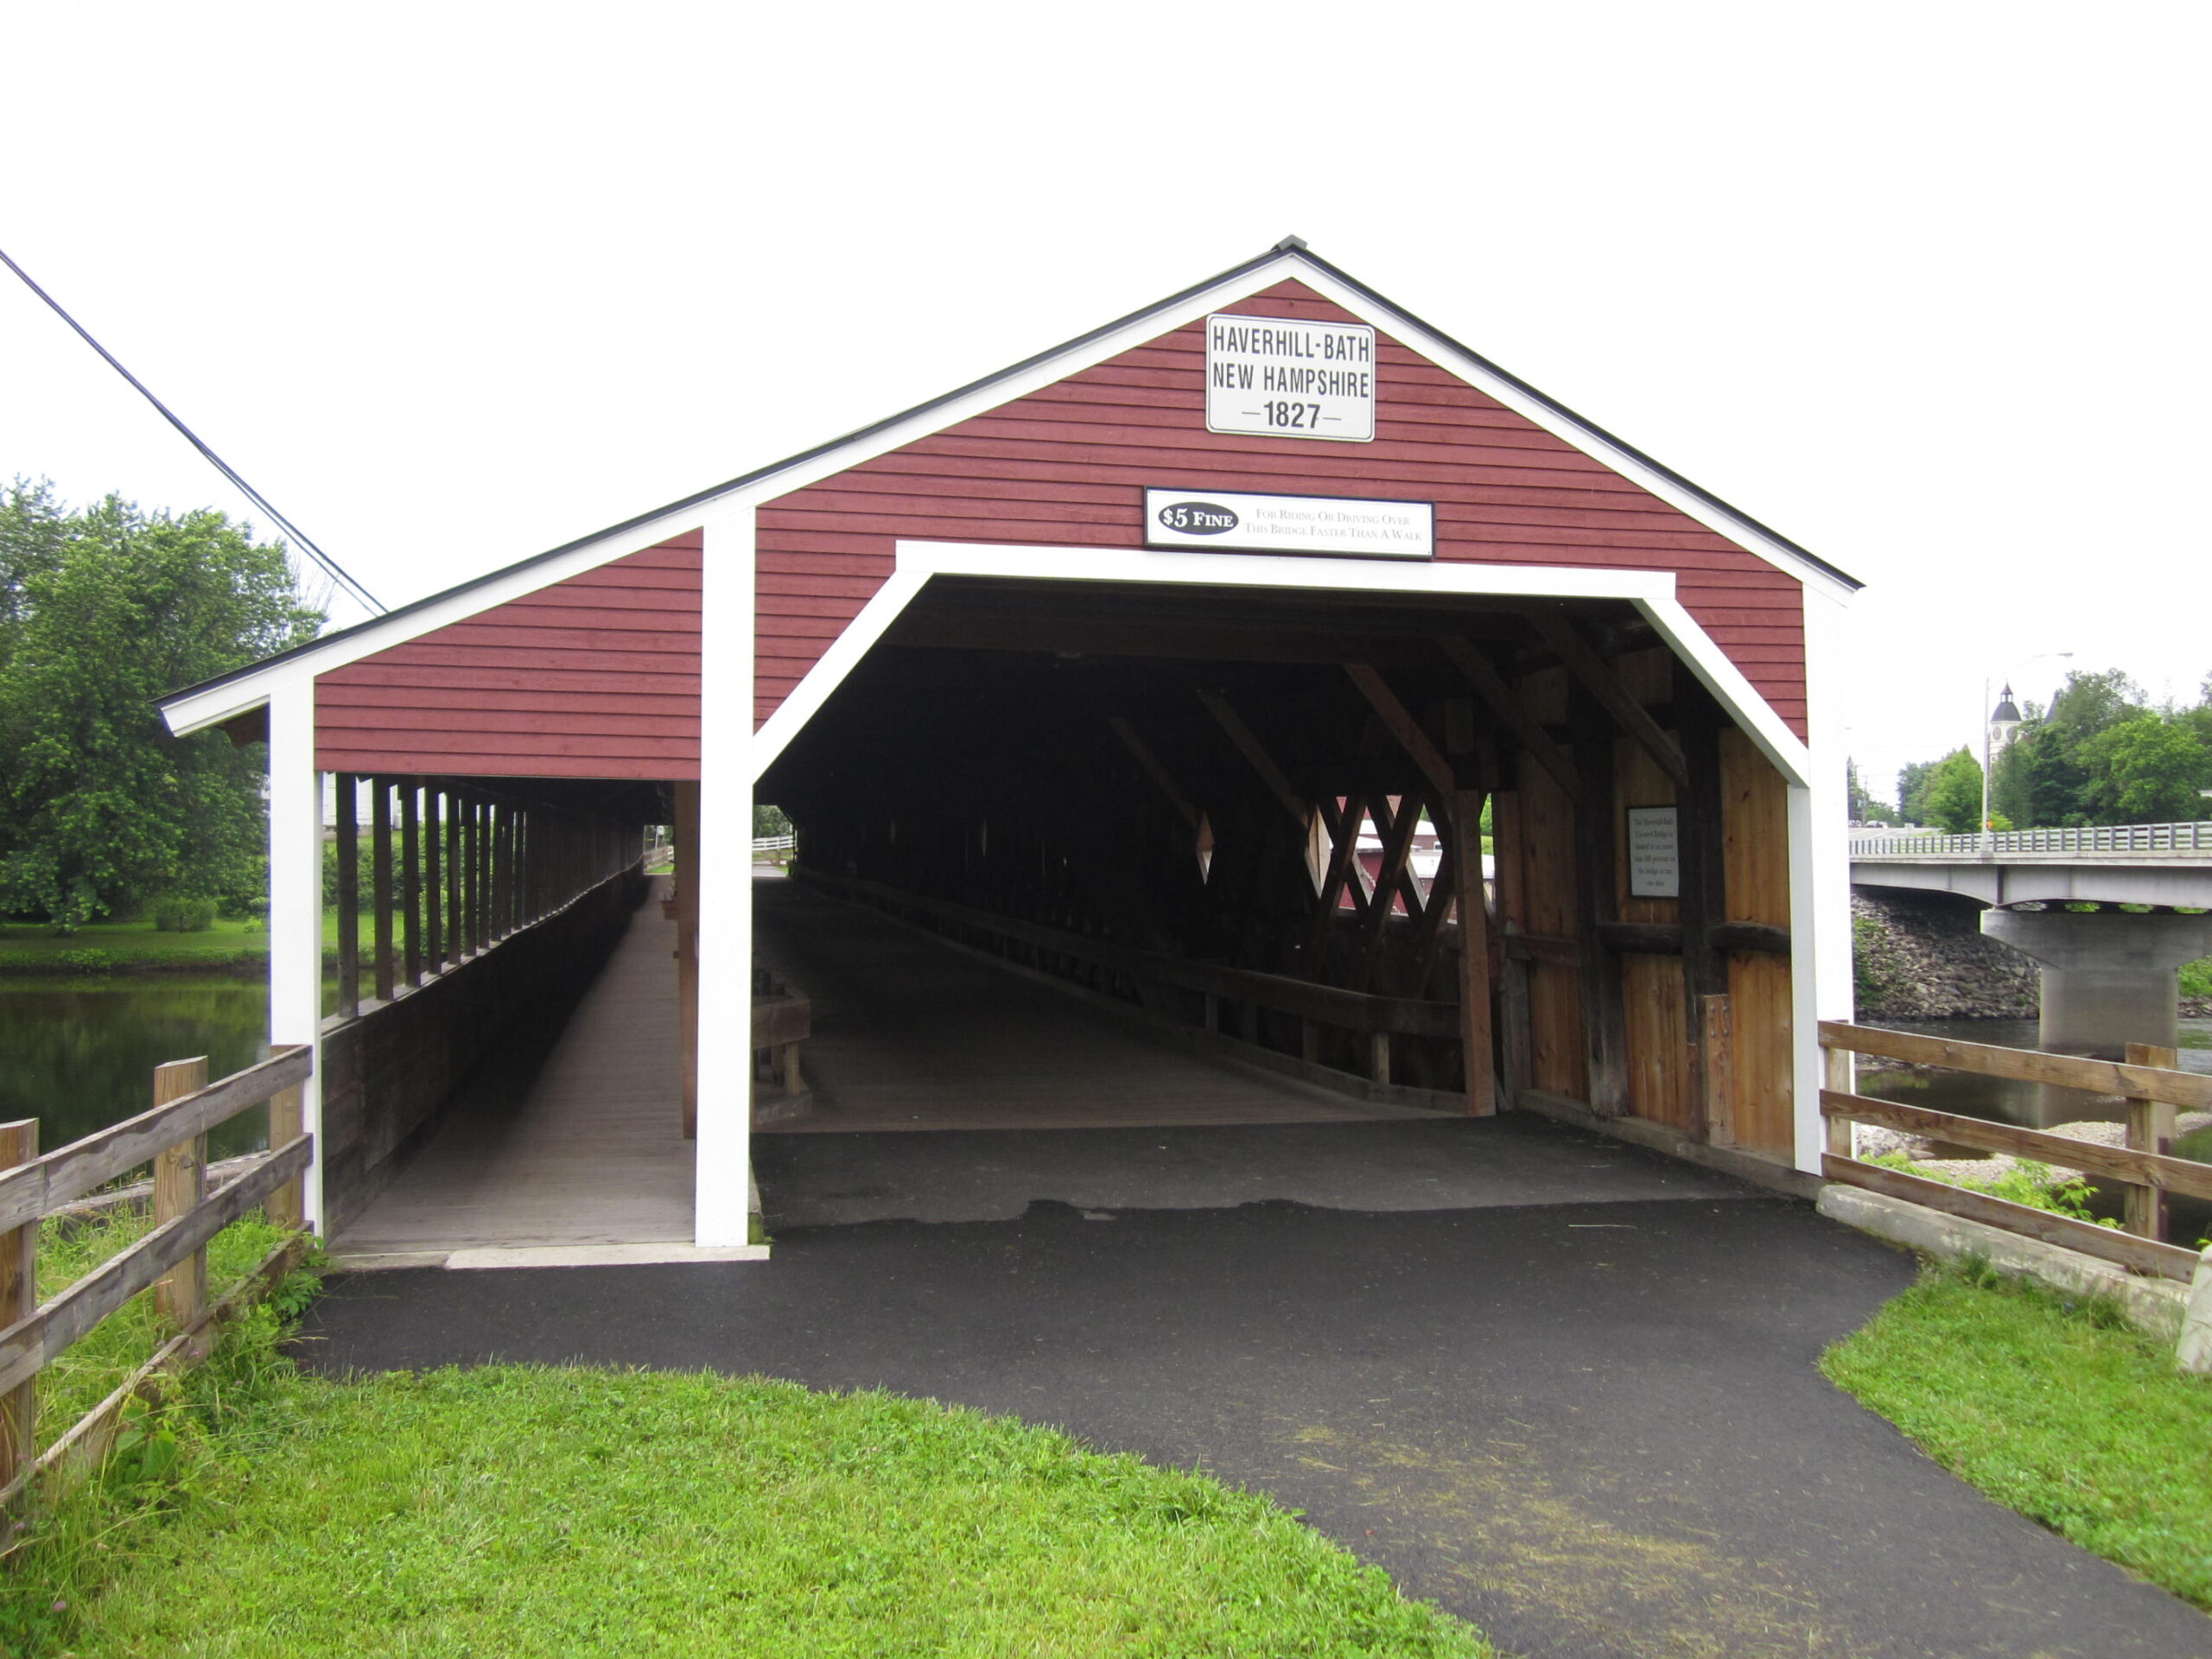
591	1158
910	1034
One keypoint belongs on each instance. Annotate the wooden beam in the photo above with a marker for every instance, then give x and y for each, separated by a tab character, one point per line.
2190	1091
2160	1173
348	831
1465	814
1397	828
1153	769
1702	906
1605	1023
1402	726
1343	853
1599	680
1249	746
1502	703
687	947
380	879
411	875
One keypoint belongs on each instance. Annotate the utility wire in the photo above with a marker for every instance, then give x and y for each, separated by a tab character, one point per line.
329	566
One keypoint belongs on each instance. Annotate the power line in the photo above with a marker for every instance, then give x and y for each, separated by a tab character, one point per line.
300	538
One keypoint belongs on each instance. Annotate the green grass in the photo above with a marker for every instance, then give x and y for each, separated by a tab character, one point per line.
517	1510
35	947
2060	1411
91	1370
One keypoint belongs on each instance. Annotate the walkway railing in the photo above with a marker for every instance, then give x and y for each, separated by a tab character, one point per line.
2148	1080
1100	965
172	1258
2111	839
773	844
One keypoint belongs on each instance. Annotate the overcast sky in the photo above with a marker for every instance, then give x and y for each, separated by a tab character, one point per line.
1922	286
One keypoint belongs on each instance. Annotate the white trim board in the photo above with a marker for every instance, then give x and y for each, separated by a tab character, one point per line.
1652	593
196	710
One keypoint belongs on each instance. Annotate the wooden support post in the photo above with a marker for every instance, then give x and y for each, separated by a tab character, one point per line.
2150	1128
348	831
1839	1073
380	881
787	1071
411	874
687	947
433	884
456	934
479	877
1716	1071
1703	906
1605	1022
180	1183
18	1300
286	1206
1309	1041
1476	1043
1378	1058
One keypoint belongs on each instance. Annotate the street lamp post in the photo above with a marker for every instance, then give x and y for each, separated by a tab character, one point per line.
1988	759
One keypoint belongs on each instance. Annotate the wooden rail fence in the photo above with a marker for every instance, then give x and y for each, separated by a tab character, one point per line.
2148	1079
172	1258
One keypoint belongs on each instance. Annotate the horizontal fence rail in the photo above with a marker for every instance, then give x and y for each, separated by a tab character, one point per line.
171	1259
2143	1168
774	843
2108	839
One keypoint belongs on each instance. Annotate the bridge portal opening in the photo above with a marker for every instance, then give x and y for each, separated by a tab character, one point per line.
1258	822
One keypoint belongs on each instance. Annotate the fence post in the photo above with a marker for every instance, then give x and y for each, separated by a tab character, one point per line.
18	1300
1841	1075
180	1183
2150	1128
286	1206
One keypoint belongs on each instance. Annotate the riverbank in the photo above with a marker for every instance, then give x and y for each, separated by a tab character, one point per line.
133	948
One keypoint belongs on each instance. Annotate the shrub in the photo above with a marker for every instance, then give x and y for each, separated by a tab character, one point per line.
180	914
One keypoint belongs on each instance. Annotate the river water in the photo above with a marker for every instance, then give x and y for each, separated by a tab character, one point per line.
79	1054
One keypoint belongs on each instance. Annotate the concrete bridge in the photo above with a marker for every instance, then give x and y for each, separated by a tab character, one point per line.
2164	865
2109	973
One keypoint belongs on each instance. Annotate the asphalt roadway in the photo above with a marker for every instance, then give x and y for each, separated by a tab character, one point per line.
1594	1427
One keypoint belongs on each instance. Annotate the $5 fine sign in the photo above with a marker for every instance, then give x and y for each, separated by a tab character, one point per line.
1278	377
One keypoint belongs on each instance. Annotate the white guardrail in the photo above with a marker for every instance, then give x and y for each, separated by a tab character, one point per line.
774	844
2110	839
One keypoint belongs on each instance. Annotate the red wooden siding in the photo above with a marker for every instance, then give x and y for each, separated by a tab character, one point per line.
596	676
1068	465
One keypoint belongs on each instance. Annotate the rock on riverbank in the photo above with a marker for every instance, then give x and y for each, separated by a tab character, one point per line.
1924	957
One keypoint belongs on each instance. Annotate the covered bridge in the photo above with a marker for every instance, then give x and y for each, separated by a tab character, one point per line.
1102	666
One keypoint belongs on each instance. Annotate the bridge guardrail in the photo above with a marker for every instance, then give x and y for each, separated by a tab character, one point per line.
2142	839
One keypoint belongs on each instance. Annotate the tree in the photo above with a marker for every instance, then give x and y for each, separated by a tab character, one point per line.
2148	770
100	612
1863	808
1952	796
2044	776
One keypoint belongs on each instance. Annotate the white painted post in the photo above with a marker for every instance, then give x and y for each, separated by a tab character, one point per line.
720	1204
296	902
1820	874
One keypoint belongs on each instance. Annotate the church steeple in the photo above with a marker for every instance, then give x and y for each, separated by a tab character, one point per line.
2004	721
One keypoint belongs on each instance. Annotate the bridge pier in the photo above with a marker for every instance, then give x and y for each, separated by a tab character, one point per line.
2109	976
